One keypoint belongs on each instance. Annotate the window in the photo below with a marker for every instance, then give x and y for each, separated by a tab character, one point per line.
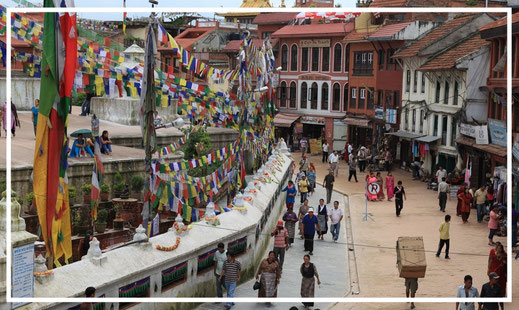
406	119
456	93
422	113
326	59
435	126
370	99
454	132
347	58
283	95
205	262
446	93
423	83
407	80
345	95
174	276
353	100
284	58
238	247
315	59
380	99
390	60
389	99
413	121
337	57
438	89
415	81
444	130
362	97
336	106
293	91
313	96
304	95
363	63
304	59
324	96
293	58
396	99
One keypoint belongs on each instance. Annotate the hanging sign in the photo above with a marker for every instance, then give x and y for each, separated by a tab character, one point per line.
481	134
468	130
497	132
23	272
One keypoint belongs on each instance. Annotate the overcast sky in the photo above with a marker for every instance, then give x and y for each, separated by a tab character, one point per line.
162	3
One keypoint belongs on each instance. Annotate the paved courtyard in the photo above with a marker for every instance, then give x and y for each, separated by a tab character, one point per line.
331	260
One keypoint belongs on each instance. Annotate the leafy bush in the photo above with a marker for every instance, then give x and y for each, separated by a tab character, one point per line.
29	198
102	216
105	188
190	148
119	187
71	192
118	178
86	189
137	183
78	99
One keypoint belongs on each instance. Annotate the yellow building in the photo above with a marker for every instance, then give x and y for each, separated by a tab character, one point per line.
246	18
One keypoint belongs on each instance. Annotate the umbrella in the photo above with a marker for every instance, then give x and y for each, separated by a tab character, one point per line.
304	15
87	133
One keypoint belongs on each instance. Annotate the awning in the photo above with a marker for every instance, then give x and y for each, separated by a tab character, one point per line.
285	119
428	139
488	148
359	122
404	134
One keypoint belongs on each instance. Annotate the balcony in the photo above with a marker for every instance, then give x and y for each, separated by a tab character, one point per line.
363	71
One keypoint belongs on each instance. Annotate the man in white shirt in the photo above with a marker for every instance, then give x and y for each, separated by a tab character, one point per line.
467	291
441	173
325	151
220	257
336	216
334	162
361	159
443	193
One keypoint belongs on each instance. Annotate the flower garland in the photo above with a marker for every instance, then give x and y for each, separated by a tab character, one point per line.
169	248
43	273
216	223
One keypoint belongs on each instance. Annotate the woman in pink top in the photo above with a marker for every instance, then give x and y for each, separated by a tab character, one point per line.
493	224
372	179
390	185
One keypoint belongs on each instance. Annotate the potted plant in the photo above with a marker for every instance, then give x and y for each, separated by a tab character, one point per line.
72	195
118	222
31	206
119	185
102	216
137	185
76	221
105	191
87	190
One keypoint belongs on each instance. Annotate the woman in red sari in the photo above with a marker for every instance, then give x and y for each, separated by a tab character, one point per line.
390	185
380	182
460	191
497	264
465	199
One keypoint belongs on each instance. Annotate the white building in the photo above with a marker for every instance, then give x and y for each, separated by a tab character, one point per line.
442	74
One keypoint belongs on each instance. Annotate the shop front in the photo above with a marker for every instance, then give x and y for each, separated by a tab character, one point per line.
360	131
313	127
426	149
405	152
285	127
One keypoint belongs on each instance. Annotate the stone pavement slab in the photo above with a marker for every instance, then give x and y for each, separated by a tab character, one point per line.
331	260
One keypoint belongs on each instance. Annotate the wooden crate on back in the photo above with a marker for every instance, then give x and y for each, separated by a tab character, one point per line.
411	261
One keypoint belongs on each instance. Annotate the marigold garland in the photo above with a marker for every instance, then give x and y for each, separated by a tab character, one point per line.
44	273
168	248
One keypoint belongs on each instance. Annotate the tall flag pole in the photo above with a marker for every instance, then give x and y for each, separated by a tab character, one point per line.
50	180
124	17
147	113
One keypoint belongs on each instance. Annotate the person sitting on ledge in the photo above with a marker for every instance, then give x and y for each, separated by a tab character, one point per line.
106	143
80	148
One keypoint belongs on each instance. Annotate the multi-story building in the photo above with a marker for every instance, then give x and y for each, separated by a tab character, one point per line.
314	3
433	3
375	78
312	81
443	73
245	17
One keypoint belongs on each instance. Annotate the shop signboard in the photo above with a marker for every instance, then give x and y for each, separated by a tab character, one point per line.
481	134
316	147
515	150
298	128
315	43
312	120
391	116
497	132
379	112
468	130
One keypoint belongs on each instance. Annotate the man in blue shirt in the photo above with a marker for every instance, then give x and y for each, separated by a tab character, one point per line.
309	225
35	110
